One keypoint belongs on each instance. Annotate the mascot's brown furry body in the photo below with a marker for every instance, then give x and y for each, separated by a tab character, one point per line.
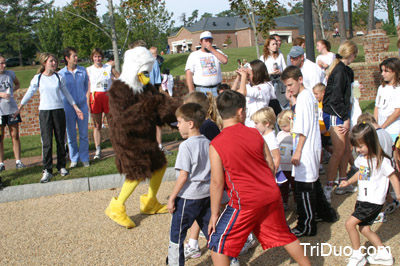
133	119
136	107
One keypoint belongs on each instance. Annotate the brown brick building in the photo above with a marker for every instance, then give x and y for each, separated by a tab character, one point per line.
232	32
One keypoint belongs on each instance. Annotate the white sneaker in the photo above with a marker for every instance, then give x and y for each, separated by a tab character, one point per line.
73	165
191	253
381	218
63	172
97	155
250	243
357	261
382	257
234	262
46	177
86	164
328	193
344	190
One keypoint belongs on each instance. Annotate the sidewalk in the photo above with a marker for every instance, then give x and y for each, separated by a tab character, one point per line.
28	191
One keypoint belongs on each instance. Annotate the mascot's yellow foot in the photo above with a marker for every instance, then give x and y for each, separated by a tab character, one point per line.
151	205
117	213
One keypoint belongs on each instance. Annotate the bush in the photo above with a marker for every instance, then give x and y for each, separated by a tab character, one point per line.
389	28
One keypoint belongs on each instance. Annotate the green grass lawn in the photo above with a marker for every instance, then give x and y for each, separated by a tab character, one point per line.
31	146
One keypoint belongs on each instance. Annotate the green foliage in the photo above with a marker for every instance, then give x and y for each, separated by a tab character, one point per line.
78	32
193	18
228	13
258	13
18	18
206	15
297	8
360	13
389	28
150	23
49	33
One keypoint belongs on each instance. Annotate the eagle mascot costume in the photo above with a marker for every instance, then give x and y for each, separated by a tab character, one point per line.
136	108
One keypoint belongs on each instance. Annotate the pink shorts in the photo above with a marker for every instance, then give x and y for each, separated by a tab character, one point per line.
268	223
99	103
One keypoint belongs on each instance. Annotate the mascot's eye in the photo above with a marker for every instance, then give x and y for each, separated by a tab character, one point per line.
146	74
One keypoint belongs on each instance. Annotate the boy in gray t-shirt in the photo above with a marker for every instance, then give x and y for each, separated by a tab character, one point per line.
190	199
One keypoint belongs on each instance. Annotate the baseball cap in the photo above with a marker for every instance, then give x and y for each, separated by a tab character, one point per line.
296	51
206	35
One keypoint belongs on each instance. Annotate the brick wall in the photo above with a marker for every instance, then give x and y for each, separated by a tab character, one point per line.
375	42
30	115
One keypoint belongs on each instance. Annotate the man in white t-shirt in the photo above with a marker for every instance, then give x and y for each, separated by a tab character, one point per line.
203	70
310	198
312	73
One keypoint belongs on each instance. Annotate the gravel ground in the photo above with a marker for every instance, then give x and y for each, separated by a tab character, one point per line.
73	230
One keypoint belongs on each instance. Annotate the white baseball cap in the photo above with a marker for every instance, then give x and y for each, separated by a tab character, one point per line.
206	35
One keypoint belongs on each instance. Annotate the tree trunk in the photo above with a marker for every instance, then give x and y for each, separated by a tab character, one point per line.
114	36
350	17
342	22
317	22
252	19
390	12
371	20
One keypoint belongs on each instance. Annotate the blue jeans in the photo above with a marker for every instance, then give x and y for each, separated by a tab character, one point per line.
204	90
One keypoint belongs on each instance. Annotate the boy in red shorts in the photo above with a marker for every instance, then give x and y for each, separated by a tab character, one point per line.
241	162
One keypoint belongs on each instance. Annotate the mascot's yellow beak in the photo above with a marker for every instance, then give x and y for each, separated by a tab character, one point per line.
144	78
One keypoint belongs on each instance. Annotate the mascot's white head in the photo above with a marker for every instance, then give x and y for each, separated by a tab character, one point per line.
138	63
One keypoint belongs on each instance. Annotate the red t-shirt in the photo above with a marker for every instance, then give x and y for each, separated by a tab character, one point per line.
249	181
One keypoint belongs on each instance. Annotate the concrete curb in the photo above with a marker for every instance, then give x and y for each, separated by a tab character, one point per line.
23	192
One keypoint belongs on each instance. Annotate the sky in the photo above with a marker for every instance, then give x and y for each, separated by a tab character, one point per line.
179	6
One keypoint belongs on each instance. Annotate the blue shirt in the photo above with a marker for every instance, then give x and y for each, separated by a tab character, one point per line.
77	86
155	75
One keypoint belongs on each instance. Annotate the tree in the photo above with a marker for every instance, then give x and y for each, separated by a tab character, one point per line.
392	8
81	27
20	17
282	11
342	22
151	23
49	33
228	13
297	8
259	14
371	18
319	8
206	15
193	18
183	18
360	13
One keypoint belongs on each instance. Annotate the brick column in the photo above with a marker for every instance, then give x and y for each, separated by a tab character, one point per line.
374	43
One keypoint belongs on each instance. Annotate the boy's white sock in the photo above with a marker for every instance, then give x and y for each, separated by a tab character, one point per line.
357	253
18	161
160	146
193	243
98	148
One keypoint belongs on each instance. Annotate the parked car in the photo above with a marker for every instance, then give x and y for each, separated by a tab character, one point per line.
14	61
